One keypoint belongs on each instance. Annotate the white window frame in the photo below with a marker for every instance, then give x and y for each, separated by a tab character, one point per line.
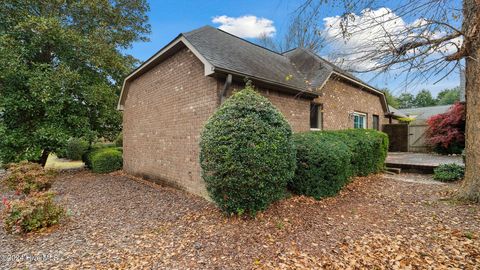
359	114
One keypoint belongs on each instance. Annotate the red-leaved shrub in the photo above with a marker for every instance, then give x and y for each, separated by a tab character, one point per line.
26	177
34	212
446	131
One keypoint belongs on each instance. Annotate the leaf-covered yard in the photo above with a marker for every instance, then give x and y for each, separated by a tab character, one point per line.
126	223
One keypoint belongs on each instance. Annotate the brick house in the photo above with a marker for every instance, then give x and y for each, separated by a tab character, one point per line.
168	99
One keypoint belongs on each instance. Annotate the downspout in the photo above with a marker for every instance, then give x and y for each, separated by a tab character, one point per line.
226	86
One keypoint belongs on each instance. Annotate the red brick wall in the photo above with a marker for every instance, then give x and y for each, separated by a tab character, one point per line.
339	99
167	107
164	113
295	108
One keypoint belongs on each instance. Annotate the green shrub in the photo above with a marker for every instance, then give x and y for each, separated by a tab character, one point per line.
369	148
323	165
247	154
119	140
31	213
449	172
61	152
87	156
326	160
106	160
75	148
26	177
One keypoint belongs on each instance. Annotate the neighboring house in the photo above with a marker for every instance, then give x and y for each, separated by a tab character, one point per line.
168	99
422	114
417	128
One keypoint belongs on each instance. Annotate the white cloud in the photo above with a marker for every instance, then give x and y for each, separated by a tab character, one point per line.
248	26
372	31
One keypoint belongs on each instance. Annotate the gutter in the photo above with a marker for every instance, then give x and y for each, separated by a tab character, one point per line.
270	82
226	86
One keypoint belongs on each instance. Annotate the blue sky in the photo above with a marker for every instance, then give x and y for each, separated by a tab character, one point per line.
168	18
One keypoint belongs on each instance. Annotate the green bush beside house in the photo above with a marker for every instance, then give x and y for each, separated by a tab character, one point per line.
323	165
247	154
106	160
327	159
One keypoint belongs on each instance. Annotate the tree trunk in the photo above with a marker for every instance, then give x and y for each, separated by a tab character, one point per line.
44	157
471	185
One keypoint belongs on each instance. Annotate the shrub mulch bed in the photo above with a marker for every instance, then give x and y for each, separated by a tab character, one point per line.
122	222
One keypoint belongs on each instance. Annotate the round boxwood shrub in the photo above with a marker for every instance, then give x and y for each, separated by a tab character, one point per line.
106	160
323	165
247	154
75	148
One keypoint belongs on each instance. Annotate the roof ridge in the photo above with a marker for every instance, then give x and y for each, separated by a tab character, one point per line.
414	108
196	30
252	43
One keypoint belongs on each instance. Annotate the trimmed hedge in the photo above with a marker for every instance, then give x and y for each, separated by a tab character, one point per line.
326	159
369	148
87	156
106	160
323	165
247	154
75	148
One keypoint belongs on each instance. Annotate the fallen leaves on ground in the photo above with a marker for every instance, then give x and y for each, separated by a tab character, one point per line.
124	222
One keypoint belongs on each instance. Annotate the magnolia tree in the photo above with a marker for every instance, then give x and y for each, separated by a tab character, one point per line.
61	66
441	35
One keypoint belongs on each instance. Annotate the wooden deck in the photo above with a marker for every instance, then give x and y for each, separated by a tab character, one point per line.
419	162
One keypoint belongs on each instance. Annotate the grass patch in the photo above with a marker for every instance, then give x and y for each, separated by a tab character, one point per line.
53	162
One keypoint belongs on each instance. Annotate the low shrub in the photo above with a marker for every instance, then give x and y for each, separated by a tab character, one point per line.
119	140
106	160
449	172
87	157
247	154
323	165
31	213
26	177
75	148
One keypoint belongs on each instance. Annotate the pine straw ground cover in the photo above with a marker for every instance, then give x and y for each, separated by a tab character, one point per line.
120	222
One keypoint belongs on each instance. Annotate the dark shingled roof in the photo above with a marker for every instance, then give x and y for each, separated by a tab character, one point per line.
231	53
299	69
314	68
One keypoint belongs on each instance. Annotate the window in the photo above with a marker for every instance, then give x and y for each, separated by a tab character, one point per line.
375	122
316	116
359	120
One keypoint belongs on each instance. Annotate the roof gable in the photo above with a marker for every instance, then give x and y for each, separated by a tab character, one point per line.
230	53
